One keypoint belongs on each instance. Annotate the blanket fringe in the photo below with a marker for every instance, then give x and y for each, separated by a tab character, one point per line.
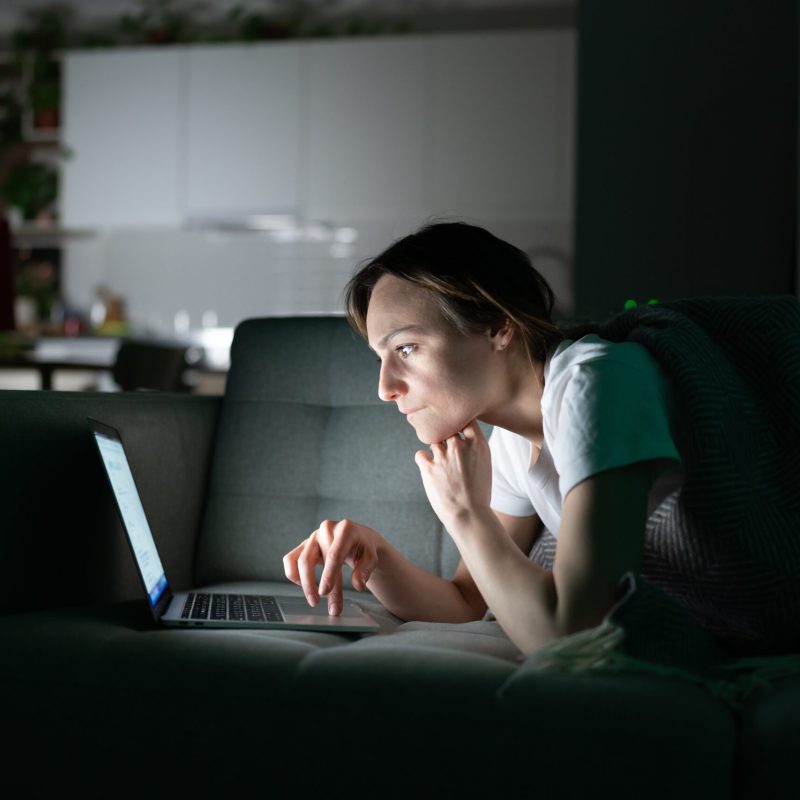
760	671
598	650
581	651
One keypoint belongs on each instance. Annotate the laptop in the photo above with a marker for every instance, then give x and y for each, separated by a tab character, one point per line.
196	609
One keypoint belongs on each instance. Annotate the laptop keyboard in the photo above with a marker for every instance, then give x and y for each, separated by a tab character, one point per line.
237	607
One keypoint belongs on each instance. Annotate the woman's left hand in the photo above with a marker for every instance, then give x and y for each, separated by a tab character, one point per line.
457	475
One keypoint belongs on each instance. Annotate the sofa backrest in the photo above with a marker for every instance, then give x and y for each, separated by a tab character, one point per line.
303	437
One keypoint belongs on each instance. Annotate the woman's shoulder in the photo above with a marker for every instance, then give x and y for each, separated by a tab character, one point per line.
593	350
578	369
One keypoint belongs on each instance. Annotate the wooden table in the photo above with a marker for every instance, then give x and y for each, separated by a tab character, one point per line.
52	355
49	355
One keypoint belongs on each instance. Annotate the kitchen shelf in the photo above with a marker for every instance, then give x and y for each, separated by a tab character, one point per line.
32	235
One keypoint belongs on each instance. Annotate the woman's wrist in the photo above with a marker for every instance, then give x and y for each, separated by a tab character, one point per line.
381	556
467	519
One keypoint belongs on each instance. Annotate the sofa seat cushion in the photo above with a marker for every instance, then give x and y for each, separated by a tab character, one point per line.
457	706
655	736
409	676
120	645
770	738
103	688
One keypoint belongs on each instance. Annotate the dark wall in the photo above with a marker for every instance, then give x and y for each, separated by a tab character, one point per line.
687	150
6	278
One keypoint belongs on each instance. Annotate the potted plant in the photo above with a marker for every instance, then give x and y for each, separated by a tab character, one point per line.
44	94
31	188
36	47
159	22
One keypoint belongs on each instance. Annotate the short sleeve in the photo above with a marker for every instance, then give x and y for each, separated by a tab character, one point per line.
507	496
610	413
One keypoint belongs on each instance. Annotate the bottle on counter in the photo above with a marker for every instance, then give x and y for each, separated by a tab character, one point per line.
107	313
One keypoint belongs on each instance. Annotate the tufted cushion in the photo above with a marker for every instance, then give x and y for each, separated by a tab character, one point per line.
304	437
446	707
770	734
99	687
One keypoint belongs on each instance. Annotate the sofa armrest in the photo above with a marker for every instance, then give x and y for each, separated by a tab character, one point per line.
61	543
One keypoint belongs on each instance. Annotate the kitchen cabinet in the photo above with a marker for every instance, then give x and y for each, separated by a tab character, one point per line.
477	124
368	128
502	124
348	131
243	129
122	122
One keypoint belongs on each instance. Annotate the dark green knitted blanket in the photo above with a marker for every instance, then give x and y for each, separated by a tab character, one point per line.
717	598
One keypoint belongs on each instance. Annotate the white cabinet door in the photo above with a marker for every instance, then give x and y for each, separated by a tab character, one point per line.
502	124
122	123
243	129
367	128
347	131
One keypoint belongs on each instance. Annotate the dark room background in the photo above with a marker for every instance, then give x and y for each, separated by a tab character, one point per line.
686	150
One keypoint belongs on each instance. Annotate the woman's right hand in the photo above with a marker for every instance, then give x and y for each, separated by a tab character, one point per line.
333	544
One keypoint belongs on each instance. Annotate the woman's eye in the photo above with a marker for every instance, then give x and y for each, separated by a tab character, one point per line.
405	350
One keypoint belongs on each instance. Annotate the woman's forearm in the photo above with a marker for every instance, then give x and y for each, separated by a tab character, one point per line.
457	476
520	593
411	593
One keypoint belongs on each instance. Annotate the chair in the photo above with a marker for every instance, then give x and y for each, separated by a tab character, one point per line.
151	365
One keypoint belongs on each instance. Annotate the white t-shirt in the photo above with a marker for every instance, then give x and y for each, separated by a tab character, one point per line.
604	405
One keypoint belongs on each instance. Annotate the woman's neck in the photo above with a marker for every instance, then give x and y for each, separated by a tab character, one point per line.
518	406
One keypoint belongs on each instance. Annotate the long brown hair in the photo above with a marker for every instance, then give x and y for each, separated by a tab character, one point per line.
478	281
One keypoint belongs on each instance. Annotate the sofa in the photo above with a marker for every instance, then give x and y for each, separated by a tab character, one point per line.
100	702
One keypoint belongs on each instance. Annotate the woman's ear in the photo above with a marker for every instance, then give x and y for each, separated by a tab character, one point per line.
500	335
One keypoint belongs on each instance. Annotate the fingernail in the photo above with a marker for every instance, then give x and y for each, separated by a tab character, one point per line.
313	599
333	609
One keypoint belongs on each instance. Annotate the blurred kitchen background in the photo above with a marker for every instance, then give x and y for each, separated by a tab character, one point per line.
168	169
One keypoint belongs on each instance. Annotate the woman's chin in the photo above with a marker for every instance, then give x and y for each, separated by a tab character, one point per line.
430	437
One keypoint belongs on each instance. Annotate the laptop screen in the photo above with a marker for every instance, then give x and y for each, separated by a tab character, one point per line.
133	516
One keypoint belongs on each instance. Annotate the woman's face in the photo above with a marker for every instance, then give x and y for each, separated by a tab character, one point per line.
440	379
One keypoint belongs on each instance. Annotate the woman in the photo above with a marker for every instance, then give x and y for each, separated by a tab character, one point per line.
582	443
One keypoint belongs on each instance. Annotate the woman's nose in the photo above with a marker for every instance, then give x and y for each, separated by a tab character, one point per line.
390	387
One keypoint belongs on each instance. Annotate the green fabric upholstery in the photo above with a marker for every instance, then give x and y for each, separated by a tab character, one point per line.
627	736
429	693
103	676
109	698
770	742
304	437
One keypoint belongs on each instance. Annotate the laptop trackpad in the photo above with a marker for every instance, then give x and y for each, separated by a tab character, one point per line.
292	606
